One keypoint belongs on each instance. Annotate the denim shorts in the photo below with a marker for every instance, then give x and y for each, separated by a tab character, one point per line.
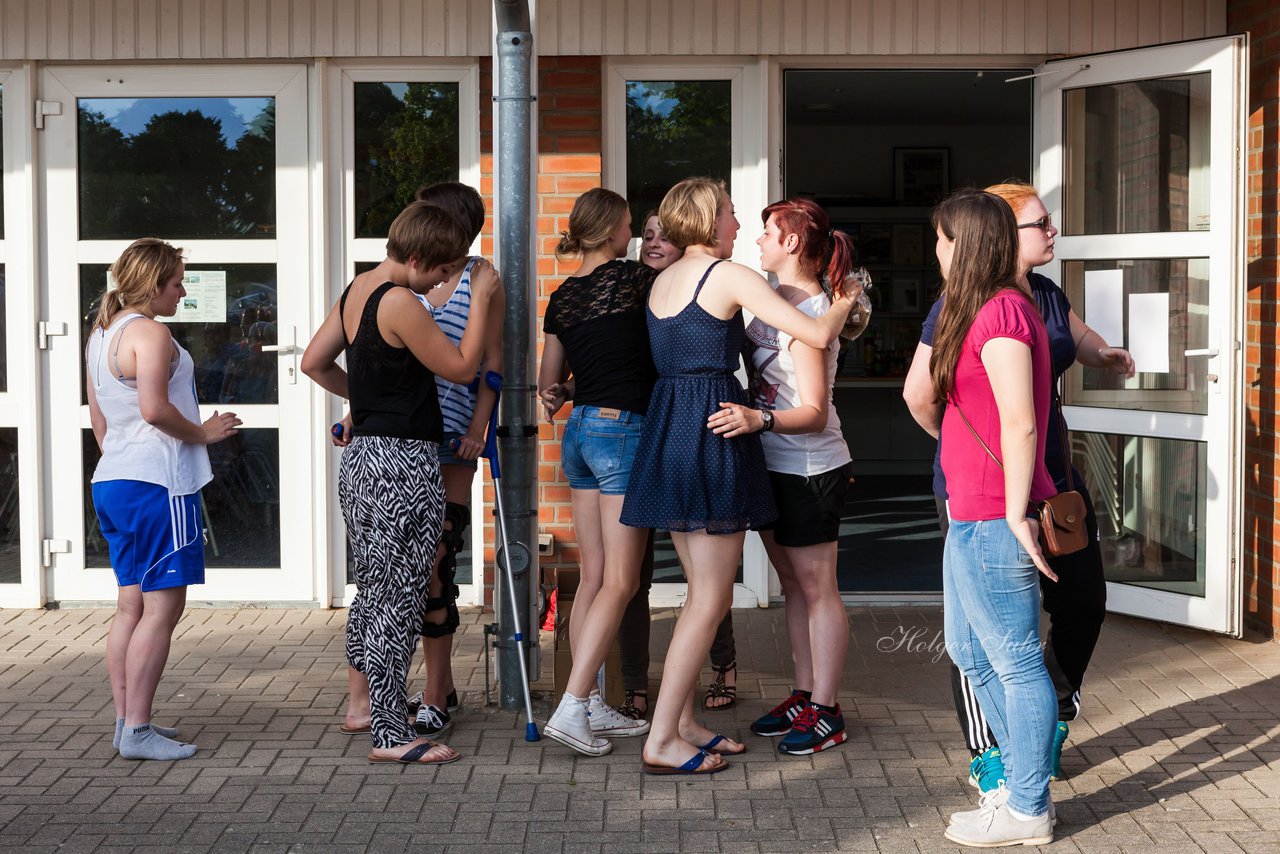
446	452
598	448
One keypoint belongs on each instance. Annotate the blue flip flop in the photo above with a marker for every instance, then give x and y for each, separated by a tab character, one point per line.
693	766
709	747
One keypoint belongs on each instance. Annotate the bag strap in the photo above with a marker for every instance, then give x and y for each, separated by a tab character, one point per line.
994	458
1062	437
1061	430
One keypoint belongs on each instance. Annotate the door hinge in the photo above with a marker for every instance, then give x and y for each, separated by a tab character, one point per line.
46	108
48	329
51	548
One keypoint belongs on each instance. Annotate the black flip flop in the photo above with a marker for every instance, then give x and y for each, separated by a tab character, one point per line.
413	756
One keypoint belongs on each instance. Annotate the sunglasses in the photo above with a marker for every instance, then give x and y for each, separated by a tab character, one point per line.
1044	223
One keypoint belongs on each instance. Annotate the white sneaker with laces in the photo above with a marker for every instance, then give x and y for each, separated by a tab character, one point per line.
570	725
994	826
990	800
609	722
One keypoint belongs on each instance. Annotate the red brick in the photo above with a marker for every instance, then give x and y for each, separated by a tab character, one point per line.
576	184
569	163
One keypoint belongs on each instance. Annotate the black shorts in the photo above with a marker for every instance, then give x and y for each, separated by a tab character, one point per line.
809	508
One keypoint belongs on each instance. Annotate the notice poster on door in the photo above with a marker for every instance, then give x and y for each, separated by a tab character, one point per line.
1104	304
1149	332
205	300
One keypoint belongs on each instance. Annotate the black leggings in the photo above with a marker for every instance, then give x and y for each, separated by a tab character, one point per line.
1076	604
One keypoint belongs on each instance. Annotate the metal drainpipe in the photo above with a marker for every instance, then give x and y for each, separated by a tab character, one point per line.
517	435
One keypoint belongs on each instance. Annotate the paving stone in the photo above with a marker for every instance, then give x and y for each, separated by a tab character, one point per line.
1177	751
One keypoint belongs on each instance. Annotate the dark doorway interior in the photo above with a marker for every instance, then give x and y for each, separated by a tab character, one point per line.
877	149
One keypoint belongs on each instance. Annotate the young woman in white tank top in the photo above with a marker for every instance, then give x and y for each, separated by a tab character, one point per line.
142	403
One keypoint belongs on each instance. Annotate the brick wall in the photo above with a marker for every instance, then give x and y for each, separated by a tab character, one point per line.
569	146
569	156
1261	18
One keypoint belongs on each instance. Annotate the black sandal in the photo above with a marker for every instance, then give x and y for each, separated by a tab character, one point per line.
629	709
720	691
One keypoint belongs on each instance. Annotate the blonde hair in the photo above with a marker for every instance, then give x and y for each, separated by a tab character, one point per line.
428	234
596	215
688	212
1015	192
139	273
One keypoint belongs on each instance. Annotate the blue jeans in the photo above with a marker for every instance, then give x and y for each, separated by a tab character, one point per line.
599	447
991	594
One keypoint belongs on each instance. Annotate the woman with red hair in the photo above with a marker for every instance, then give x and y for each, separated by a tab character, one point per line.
808	462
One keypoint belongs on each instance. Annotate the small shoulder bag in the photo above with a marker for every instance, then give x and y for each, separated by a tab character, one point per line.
1062	516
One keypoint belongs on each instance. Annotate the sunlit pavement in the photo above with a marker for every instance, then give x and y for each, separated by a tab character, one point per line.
1174	752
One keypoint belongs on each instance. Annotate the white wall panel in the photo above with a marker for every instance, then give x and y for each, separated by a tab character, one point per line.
258	29
233	29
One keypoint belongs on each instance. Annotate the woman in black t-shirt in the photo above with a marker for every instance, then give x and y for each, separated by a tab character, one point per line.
595	330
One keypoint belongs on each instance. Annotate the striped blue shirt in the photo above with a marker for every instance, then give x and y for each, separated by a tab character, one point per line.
457	402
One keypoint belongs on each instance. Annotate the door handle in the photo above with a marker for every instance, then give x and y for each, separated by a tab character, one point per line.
287	347
1205	351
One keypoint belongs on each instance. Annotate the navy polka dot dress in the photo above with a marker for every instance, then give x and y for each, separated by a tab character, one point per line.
686	478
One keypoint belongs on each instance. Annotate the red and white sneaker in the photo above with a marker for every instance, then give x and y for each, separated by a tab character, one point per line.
813	731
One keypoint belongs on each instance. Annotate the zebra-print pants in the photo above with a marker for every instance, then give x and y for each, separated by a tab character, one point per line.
393	505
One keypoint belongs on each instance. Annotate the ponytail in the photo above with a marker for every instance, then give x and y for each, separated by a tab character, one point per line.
840	263
139	273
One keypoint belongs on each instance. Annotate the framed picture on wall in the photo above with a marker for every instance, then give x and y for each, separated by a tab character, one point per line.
906	293
921	176
875	243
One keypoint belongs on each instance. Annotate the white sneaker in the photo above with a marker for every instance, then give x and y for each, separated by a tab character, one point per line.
609	722
997	797
994	826
570	725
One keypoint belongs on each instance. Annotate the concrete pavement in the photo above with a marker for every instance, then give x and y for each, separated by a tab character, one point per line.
1175	751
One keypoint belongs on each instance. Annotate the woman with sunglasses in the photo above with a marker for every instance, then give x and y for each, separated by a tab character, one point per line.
1076	604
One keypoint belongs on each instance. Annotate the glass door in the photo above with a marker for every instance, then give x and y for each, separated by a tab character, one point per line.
1140	168
19	396
664	123
404	126
215	161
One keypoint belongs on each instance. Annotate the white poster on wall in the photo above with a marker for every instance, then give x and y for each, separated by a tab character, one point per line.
1149	332
1104	304
206	298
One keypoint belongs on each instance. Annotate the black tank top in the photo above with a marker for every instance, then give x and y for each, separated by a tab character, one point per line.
392	393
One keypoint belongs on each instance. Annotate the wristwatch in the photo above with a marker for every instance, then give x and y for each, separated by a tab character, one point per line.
766	419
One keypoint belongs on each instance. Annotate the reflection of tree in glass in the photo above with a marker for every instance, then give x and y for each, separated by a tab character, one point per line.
675	130
177	177
401	144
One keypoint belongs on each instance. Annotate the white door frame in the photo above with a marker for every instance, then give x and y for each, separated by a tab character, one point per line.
346	250
20	406
749	186
1221	428
289	251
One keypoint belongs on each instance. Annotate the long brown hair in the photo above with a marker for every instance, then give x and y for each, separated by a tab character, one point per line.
138	274
984	262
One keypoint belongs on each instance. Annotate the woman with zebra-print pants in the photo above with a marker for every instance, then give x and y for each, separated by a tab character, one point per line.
389	481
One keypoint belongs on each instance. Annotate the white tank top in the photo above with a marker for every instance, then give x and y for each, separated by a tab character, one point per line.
803	454
133	449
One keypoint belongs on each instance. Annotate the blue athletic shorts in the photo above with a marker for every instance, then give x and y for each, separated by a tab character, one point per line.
156	540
